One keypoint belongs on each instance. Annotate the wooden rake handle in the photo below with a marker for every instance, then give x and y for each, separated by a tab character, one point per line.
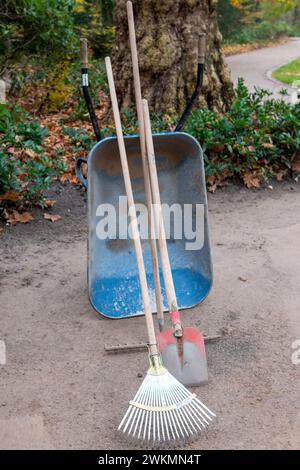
139	106
132	211
163	249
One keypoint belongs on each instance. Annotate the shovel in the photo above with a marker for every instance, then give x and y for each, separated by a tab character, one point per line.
182	349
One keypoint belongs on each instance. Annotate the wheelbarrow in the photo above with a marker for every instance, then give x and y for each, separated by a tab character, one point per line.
113	282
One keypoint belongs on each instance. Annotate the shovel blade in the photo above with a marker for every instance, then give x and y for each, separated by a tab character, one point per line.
185	358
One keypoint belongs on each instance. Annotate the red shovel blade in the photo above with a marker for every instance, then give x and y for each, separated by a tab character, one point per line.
184	357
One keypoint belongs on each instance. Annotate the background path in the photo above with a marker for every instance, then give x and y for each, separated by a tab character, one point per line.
254	66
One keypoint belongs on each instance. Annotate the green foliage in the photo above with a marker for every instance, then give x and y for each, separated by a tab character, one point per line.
24	167
276	8
80	138
94	20
263	31
36	27
247	21
256	134
229	19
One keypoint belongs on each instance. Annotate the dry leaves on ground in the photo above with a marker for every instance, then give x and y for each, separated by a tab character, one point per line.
251	180
296	167
52	217
282	174
11	196
49	202
15	217
211	182
233	49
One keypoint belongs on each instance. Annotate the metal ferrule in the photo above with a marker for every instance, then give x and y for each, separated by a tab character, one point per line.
156	365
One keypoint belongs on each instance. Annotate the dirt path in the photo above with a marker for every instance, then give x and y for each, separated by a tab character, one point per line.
59	390
256	66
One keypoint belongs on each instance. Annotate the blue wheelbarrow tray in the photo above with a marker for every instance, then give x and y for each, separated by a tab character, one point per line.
113	281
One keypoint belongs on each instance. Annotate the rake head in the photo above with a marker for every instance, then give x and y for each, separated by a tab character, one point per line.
164	410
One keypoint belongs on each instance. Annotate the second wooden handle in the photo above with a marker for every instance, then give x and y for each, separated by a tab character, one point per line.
132	211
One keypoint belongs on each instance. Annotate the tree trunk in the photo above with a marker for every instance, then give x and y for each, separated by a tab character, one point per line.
167	38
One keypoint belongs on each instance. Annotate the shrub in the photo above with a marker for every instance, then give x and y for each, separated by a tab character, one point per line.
255	140
25	171
36	27
258	135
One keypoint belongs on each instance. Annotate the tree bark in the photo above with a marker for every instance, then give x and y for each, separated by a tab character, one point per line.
167	34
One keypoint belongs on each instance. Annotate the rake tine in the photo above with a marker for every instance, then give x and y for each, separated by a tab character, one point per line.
199	414
171	416
150	417
184	413
165	416
146	424
202	408
205	407
185	420
200	426
199	405
129	413
141	423
161	418
144	412
143	396
124	418
181	428
159	430
135	413
178	428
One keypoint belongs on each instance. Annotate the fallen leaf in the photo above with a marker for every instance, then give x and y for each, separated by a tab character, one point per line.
70	177
233	49
212	185
14	217
296	167
49	202
52	217
10	195
251	180
30	153
212	188
268	145
211	179
281	174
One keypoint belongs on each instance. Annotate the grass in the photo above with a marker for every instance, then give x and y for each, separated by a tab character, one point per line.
289	74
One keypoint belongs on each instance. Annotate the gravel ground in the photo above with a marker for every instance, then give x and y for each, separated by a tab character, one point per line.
60	390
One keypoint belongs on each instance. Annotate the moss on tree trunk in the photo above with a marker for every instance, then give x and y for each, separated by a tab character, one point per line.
167	37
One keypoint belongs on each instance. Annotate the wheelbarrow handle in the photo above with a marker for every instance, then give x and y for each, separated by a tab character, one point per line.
78	171
85	87
199	83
